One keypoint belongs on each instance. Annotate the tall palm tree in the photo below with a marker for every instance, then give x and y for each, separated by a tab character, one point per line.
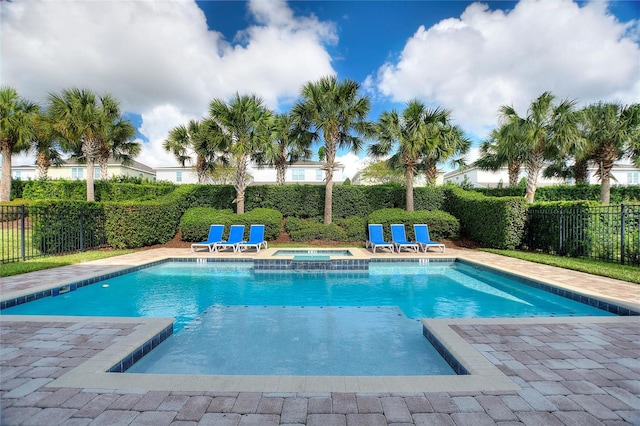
16	132
199	138
500	150
334	110
612	131
119	144
422	137
289	144
244	128
45	144
541	132
83	120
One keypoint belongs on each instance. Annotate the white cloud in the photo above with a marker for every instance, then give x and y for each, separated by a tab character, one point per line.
158	57
352	164
486	58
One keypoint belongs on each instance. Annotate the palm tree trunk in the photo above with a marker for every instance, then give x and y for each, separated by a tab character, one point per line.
201	169
409	188
90	189
104	168
331	144
5	190
90	149
241	184
513	170
581	172
43	162
281	168
533	170
605	181
431	174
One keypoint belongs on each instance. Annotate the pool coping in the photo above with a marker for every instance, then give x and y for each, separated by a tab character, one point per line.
484	376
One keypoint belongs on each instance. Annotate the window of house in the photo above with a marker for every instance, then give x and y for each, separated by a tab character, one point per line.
297	174
17	174
96	173
178	176
77	173
633	178
319	175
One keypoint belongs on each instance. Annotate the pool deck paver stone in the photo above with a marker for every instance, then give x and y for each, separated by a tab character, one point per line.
574	372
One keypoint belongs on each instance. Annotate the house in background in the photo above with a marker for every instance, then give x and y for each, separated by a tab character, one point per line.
72	170
622	174
418	180
302	172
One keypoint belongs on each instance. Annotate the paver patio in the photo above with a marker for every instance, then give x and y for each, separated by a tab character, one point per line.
574	372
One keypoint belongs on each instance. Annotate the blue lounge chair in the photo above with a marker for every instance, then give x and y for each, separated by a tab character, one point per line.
423	239
256	239
215	236
236	236
399	239
376	238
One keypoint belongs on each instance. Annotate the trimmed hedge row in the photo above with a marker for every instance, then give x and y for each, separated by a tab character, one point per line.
77	190
619	194
442	225
65	226
196	221
543	228
496	222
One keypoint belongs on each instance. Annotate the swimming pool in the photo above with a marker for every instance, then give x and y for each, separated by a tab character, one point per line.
230	314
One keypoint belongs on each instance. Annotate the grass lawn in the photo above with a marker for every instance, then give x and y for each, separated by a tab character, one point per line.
48	262
612	270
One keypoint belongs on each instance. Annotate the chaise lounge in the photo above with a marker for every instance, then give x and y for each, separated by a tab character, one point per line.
423	240
376	238
399	239
256	239
215	236
236	236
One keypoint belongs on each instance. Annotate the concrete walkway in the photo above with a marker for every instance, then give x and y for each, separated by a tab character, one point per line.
574	371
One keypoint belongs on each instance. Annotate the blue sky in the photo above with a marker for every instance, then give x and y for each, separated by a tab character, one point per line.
166	60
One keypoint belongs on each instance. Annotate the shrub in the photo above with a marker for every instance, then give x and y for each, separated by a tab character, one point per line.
442	225
318	231
491	221
355	228
196	221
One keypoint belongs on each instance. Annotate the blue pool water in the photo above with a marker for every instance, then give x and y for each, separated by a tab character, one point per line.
231	319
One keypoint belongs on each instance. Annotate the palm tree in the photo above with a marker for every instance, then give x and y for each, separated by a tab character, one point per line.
289	144
500	150
16	132
83	120
612	131
45	144
422	138
541	133
197	137
334	110
244	129
119	144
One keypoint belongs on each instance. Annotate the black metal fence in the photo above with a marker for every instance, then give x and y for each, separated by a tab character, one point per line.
609	233
32	231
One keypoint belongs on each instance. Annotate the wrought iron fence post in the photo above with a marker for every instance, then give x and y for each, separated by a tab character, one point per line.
622	232
22	232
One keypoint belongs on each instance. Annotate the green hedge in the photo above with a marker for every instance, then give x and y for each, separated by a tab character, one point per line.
65	226
495	222
196	221
104	190
619	194
351	229
442	225
543	228
291	200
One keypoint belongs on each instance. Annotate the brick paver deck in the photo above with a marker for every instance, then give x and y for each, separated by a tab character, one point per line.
574	373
